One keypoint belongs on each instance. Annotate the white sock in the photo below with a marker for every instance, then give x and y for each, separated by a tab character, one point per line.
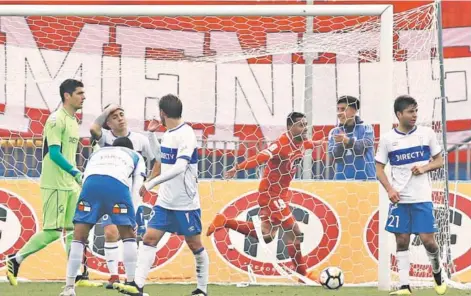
202	269
73	264
112	257
130	258
19	258
145	259
403	265
435	260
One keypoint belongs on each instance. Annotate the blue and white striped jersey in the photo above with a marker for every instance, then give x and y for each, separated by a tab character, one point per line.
181	192
117	162
403	152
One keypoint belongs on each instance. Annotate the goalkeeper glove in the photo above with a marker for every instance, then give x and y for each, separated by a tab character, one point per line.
141	225
77	176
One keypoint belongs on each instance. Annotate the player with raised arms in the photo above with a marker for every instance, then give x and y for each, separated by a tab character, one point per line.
60	178
412	151
178	207
106	128
282	158
112	176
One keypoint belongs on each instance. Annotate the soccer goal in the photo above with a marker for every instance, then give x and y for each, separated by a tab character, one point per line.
239	70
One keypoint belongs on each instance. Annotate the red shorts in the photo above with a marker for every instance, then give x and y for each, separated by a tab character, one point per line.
274	207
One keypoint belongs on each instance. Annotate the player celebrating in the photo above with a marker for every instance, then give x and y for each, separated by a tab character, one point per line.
60	178
178	206
409	149
112	174
110	125
282	158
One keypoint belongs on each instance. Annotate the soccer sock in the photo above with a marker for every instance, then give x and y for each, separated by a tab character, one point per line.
202	269
112	257
75	259
403	265
130	258
243	227
294	251
145	259
37	243
69	237
435	260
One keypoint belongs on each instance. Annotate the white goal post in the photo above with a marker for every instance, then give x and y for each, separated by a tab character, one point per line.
386	60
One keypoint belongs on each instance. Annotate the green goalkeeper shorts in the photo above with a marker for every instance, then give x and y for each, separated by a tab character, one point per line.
59	208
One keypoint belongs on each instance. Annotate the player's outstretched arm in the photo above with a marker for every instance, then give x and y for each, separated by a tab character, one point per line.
177	169
154	148
251	163
137	182
95	128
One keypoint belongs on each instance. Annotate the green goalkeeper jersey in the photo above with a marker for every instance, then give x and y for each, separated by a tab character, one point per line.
61	129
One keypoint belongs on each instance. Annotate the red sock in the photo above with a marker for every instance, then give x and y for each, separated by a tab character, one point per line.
294	252
243	227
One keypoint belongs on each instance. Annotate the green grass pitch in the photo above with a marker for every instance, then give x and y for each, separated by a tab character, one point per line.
53	289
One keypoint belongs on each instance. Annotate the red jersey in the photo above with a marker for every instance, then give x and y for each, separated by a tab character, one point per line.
283	156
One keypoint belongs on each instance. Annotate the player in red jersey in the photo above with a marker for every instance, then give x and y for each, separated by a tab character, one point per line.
282	157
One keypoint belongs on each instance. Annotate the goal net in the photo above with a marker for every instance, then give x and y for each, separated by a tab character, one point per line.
238	78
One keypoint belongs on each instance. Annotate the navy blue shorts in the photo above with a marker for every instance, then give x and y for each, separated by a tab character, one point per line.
187	223
108	197
411	218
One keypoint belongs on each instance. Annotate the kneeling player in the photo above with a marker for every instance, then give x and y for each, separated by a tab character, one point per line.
409	148
282	158
111	175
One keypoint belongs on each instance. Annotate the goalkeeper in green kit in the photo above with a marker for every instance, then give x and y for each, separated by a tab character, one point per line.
60	179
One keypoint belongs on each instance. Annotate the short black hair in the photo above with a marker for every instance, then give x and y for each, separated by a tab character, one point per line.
293	117
171	105
123	142
69	86
403	102
351	101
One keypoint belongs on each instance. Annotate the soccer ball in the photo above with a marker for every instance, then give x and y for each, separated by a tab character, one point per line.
331	278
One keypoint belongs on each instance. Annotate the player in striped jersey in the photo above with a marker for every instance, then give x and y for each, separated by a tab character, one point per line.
112	175
412	151
178	206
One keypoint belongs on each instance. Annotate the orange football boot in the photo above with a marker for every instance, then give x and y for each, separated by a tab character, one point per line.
218	222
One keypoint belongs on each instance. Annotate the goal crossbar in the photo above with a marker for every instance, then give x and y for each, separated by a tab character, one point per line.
193	10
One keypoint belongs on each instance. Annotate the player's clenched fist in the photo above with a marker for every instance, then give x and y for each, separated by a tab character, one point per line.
230	173
418	170
393	195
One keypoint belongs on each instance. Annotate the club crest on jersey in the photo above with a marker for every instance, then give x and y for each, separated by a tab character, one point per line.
120	209
84	206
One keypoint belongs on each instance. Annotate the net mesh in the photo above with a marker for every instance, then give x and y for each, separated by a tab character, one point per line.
238	78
